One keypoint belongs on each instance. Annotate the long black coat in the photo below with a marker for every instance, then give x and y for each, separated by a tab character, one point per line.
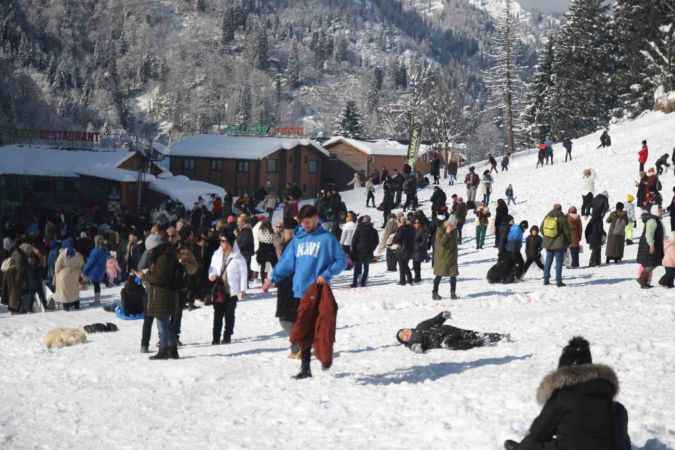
245	242
438	199
579	412
600	207
594	232
421	245
432	334
501	218
287	305
405	239
644	257
364	242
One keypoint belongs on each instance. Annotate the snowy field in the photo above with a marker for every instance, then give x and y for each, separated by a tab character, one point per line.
378	395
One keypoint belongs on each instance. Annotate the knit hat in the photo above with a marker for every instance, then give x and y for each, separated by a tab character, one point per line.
630	198
576	353
398	337
70	249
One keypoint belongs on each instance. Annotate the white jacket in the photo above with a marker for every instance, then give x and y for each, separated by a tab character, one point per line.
348	230
237	272
589	183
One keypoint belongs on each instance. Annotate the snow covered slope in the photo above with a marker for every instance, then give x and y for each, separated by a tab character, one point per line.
378	395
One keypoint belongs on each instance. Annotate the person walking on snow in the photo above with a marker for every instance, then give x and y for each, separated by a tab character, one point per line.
510	195
434	334
589	178
505	163
229	274
445	255
616	235
595	231
493	164
370	192
632	219
567	143
486	186
436	169
313	256
651	248
576	233
364	243
549	150
556	231
472	180
482	220
643	156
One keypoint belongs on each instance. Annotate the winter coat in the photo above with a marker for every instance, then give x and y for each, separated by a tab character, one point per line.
287	305
589	183
453	168
645	258
365	242
616	236
595	233
579	412
483	215
472	180
502	215
421	245
95	268
67	277
397	182
460	211
433	334
316	323
163	277
669	253
445	252
15	280
599	207
348	230
245	242
486	184
410	185
436	167
576	230
438	199
308	256
643	155
405	239
533	246
134	253
563	239
237	272
514	240
133	297
388	235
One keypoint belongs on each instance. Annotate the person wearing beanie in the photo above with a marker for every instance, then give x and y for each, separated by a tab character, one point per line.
618	220
579	411
557	237
67	271
650	249
434	334
228	272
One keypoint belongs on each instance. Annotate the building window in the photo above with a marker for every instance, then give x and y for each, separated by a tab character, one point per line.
188	165
312	166
242	166
216	165
272	166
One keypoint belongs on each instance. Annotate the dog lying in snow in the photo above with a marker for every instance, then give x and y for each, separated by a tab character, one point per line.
64	337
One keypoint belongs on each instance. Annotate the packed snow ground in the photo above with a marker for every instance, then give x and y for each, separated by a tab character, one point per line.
378	395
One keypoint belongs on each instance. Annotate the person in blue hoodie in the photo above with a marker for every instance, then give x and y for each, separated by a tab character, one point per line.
94	269
313	256
514	244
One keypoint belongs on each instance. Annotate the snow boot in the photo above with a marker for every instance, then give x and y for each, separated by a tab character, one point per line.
302	375
305	371
173	352
453	295
435	296
145	349
163	353
643	280
215	342
226	339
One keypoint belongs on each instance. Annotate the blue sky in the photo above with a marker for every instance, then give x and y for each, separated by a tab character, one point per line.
546	5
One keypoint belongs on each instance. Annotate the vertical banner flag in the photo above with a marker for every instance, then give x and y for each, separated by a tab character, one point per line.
414	146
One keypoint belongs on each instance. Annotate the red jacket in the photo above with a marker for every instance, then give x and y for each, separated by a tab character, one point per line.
315	324
644	154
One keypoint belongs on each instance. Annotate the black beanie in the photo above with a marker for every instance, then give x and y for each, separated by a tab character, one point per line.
576	353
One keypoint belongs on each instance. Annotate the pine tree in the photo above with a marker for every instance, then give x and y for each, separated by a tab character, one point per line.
536	116
394	72
294	67
228	26
262	49
350	123
636	24
402	77
244	110
503	80
342	50
660	58
583	96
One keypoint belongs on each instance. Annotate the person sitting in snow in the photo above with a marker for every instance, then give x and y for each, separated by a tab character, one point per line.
662	161
579	408
433	333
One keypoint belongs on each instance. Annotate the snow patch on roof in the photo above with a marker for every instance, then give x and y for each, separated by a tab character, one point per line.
182	189
379	147
237	147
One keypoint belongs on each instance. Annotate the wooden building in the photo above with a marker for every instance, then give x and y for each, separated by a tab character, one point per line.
243	164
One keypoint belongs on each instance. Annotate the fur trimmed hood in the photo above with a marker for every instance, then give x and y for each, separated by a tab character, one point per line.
573	375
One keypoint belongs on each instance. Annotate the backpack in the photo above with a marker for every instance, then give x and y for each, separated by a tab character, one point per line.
620	226
550	228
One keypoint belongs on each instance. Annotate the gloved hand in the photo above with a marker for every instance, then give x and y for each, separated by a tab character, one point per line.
447	315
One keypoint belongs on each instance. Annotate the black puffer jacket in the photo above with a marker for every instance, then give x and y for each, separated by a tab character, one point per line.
579	412
245	242
364	242
433	334
644	257
421	245
405	239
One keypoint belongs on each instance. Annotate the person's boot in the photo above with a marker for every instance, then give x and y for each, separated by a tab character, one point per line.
215	341
453	295
163	353
305	371
643	280
173	352
97	298
226	339
145	349
435	296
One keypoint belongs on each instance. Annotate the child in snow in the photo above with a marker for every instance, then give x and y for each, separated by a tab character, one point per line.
579	411
632	221
112	269
433	334
533	247
510	198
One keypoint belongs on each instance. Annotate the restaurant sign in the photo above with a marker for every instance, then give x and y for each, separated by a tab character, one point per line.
261	130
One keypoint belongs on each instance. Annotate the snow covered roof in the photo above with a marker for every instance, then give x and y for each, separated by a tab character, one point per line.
45	160
237	147
379	147
183	189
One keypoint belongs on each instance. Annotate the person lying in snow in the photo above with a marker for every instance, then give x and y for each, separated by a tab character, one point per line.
433	333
